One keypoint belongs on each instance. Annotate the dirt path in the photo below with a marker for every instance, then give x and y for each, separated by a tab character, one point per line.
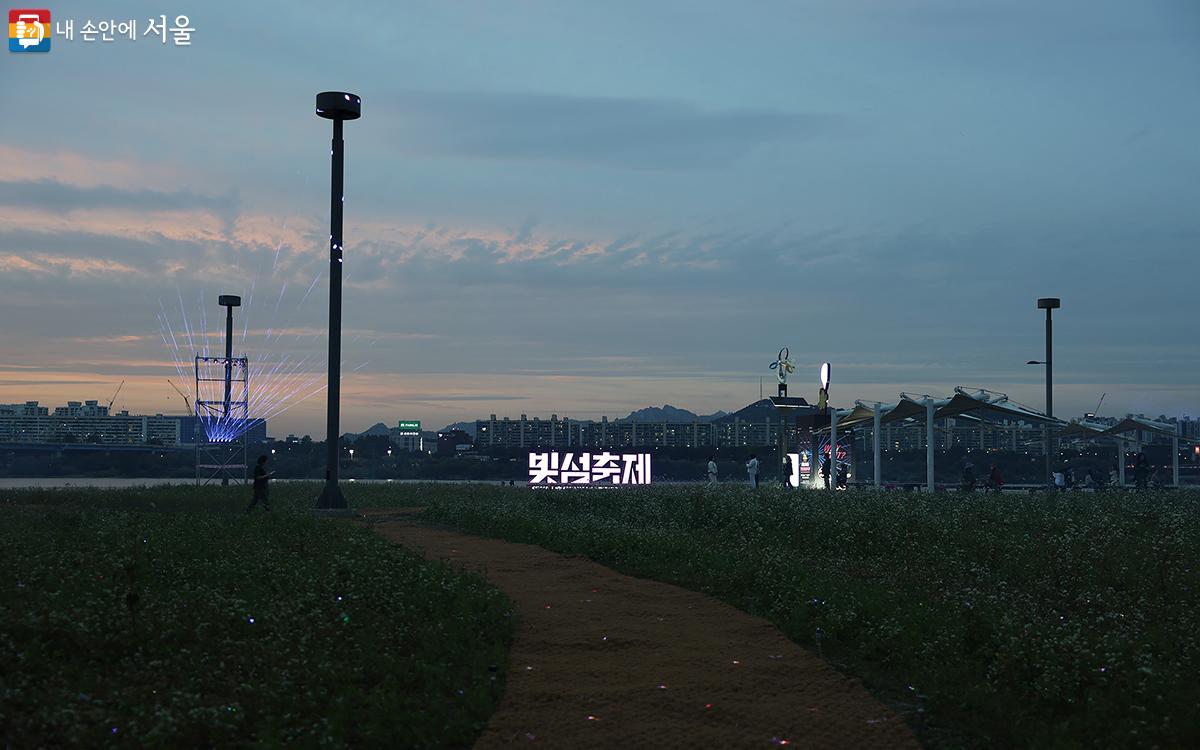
602	660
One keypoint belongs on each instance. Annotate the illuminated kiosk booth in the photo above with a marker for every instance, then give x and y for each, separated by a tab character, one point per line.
798	422
584	469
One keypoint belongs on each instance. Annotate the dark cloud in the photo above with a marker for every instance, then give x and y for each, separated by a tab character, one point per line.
434	397
623	132
31	383
57	197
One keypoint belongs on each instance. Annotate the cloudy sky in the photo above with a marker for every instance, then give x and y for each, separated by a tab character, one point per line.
584	208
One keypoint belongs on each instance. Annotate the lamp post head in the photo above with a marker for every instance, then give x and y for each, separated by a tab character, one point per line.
229	300
338	105
1049	303
1035	362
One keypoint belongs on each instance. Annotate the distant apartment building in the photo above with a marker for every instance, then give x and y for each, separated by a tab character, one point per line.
961	432
453	441
567	433
558	432
406	436
27	409
92	422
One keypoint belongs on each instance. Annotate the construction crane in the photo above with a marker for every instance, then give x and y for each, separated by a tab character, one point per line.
187	403
114	398
1092	415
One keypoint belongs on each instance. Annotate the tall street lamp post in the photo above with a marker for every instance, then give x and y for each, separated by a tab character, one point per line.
338	106
228	301
1049	304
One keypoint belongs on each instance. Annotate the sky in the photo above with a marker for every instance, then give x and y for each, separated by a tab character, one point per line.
586	208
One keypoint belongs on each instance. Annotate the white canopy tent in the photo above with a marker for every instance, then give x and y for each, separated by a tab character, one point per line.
970	403
1119	434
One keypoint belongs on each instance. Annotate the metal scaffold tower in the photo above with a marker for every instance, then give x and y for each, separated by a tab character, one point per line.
221	423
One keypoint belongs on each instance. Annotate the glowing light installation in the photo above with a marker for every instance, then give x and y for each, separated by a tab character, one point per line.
285	369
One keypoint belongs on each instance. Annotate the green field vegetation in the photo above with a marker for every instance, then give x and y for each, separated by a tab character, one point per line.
166	617
1024	620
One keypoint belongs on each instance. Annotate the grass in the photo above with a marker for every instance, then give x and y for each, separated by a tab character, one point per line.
165	617
1030	620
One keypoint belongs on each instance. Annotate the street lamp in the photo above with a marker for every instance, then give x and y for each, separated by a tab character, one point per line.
1049	304
228	301
338	106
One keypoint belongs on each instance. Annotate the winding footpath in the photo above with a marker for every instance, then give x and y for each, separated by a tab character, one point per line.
603	660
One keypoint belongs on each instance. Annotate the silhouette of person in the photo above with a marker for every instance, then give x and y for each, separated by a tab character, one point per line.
261	478
1141	471
995	479
967	481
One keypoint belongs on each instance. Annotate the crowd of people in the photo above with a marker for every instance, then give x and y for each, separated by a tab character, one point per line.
1145	476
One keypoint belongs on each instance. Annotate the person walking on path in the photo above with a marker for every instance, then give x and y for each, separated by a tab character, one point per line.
712	469
825	472
967	482
1060	481
1089	482
995	479
752	470
1141	471
261	478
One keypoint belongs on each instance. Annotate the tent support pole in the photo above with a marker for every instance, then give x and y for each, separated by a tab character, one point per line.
1175	455
833	466
878	467
929	482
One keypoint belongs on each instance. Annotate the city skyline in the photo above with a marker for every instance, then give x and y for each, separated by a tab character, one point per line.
588	211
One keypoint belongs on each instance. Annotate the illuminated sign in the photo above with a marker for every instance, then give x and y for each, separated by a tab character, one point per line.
588	469
801	468
805	471
409	428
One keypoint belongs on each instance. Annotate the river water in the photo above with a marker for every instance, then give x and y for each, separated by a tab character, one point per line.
12	483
